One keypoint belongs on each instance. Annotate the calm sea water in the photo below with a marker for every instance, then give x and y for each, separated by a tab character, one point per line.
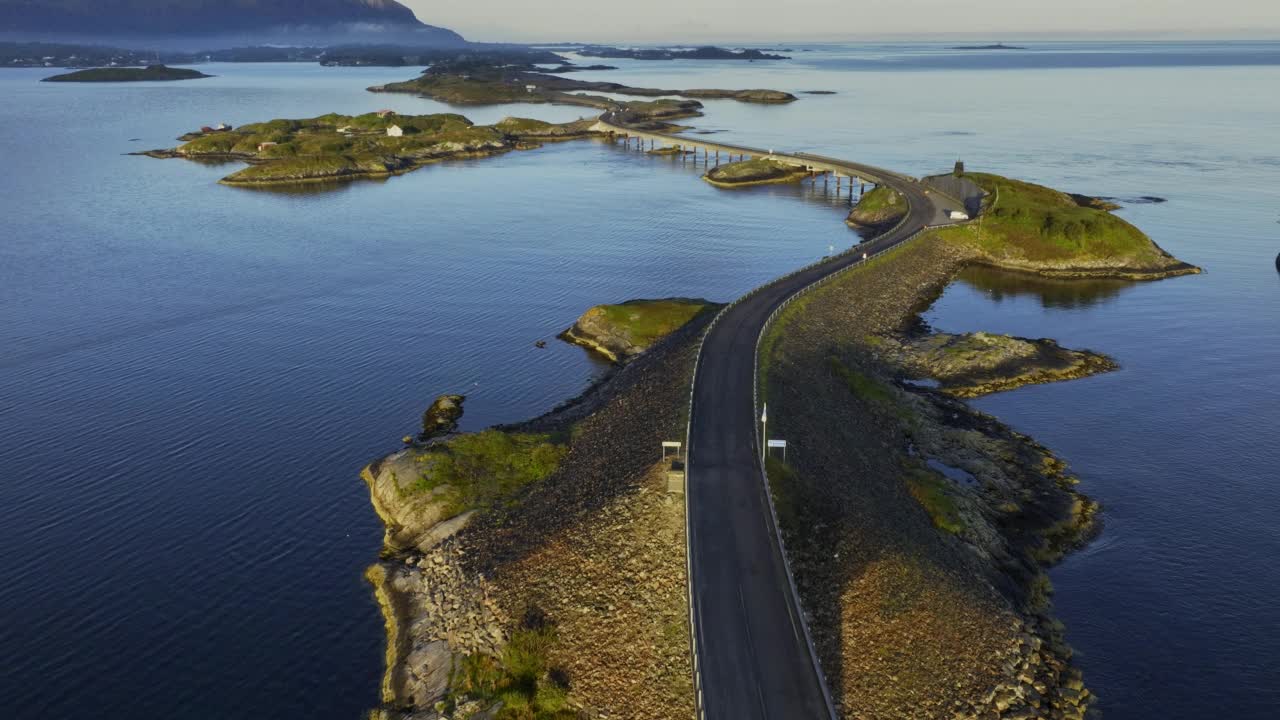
191	375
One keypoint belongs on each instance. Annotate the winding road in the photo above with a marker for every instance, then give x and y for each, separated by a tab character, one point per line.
753	657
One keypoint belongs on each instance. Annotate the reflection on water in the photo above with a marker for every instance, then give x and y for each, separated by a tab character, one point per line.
999	285
310	187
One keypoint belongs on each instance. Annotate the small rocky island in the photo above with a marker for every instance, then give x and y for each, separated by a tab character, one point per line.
345	147
756	171
699	53
150	73
466	82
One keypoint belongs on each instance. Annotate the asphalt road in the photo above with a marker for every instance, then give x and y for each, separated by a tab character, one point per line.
753	657
754	660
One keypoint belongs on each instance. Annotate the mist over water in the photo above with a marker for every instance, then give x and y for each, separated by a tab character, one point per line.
191	375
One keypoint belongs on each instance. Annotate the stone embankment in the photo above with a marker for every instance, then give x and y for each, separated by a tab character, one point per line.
919	529
597	549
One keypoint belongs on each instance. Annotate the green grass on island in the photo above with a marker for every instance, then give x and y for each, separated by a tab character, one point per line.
755	171
478	88
648	321
627	329
933	493
151	73
483	469
1032	227
333	146
521	678
879	207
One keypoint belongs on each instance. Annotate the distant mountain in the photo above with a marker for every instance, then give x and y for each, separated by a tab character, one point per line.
298	21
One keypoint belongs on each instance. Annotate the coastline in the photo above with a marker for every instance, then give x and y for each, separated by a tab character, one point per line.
1021	652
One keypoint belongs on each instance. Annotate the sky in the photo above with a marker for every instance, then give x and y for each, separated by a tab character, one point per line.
763	21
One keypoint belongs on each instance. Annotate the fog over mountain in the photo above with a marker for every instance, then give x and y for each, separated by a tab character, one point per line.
231	21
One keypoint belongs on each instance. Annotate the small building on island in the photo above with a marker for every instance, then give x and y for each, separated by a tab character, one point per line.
264	145
384	113
530	88
395	131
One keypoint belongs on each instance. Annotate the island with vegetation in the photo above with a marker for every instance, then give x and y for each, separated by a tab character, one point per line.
1032	228
756	171
534	570
150	73
699	53
471	82
344	147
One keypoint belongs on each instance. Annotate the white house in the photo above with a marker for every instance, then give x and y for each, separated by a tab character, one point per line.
530	88
395	131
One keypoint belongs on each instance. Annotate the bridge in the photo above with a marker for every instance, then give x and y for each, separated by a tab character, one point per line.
753	654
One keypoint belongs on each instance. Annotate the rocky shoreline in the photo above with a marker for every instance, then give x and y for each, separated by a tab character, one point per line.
597	549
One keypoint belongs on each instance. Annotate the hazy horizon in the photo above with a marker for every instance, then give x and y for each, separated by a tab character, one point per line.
749	20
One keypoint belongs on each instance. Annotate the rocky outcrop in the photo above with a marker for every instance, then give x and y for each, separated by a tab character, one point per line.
409	517
442	417
974	364
621	332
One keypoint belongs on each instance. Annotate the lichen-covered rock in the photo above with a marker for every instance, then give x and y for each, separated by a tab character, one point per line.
969	365
408	516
